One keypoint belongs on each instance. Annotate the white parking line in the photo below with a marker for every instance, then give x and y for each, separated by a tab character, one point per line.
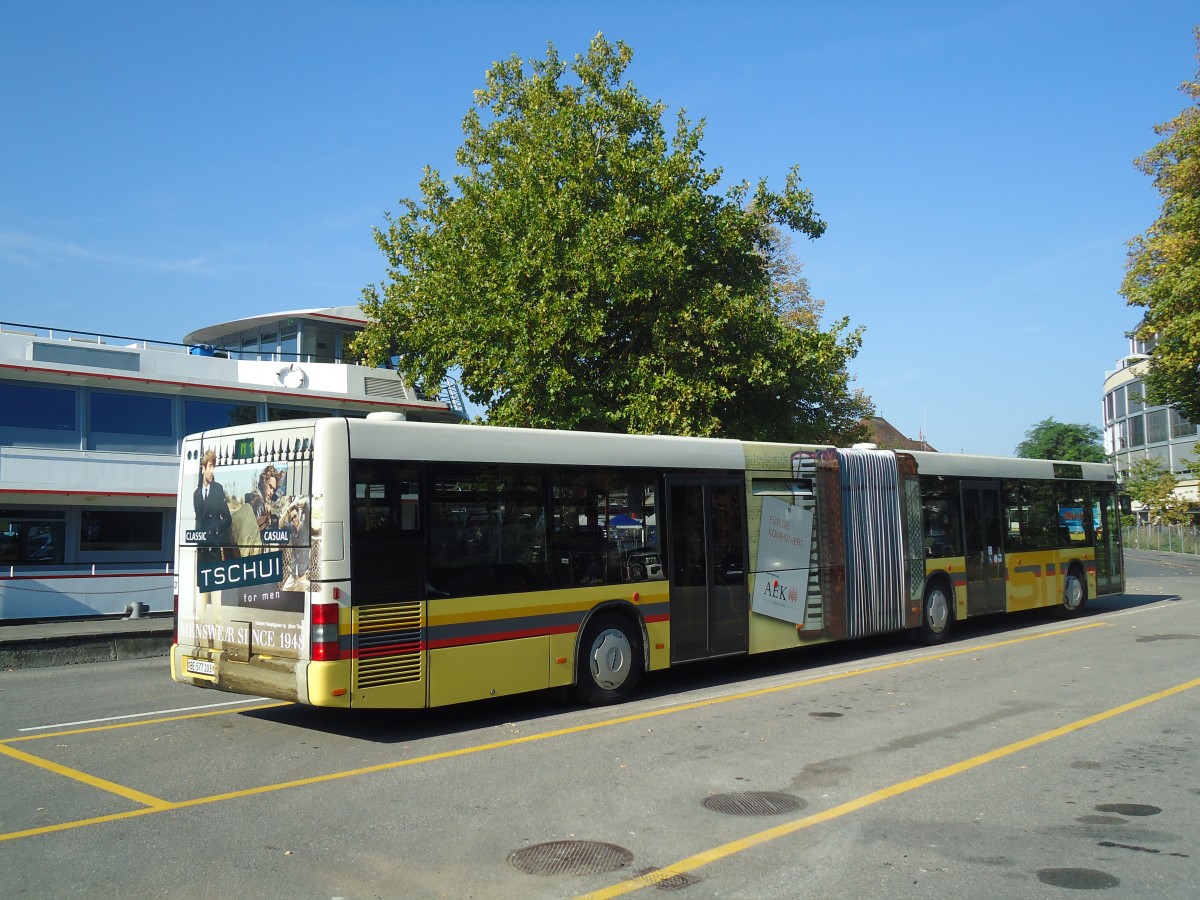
158	712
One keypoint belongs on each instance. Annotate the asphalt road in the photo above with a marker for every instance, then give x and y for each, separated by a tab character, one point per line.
1029	757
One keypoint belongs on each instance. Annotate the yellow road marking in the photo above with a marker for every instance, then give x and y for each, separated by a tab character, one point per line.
163	805
200	715
696	861
79	823
91	780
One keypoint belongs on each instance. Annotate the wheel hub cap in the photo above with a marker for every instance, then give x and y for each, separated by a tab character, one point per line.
939	612
611	659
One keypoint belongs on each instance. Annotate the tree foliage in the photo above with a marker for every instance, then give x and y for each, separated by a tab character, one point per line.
581	272
1051	439
1151	484
1163	268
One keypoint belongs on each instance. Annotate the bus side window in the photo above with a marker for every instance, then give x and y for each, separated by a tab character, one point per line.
387	536
487	530
941	516
1041	515
603	528
1023	532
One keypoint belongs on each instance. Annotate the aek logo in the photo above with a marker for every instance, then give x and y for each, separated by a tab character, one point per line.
777	591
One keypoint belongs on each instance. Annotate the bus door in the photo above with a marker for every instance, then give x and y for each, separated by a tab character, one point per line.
983	529
707	562
1106	520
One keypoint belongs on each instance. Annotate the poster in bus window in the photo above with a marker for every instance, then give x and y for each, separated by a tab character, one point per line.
253	533
781	519
1070	522
784	545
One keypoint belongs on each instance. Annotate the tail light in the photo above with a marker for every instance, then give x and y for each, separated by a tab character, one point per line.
325	637
175	620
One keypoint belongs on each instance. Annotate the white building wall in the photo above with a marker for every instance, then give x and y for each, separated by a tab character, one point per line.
1128	431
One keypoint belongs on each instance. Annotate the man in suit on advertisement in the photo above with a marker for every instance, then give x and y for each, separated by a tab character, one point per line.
212	512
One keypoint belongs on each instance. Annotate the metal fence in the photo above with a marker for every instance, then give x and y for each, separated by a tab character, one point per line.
1175	538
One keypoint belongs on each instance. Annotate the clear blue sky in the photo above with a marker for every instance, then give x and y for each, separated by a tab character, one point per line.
168	165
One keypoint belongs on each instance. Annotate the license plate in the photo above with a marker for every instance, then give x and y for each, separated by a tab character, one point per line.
206	668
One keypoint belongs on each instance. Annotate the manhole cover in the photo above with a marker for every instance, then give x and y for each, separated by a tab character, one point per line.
1129	809
570	858
1078	879
754	803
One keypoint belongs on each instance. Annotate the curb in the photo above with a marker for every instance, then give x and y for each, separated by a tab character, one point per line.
77	649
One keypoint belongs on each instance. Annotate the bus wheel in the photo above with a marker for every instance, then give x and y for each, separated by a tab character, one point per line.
1074	592
936	614
610	660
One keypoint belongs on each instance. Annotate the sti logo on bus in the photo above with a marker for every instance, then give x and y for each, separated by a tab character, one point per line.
266	568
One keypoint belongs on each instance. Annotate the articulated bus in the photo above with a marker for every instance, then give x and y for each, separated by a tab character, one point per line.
371	562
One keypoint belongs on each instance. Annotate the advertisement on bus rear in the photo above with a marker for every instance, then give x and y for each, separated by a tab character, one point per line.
248	516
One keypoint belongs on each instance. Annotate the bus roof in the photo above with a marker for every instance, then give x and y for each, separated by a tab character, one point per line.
965	465
385	438
434	441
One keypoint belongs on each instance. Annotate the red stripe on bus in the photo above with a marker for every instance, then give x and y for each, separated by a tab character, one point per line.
487	638
389	650
493	637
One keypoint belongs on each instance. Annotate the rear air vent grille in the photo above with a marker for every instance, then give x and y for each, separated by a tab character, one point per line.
389	644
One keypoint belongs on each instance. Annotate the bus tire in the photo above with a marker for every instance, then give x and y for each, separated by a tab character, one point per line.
937	612
610	660
1075	591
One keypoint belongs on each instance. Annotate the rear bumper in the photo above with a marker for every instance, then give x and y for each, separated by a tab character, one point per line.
259	676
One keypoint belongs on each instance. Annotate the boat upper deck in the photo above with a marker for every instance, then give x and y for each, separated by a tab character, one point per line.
295	361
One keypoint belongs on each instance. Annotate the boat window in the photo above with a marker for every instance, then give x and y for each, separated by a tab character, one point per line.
130	422
120	529
204	415
32	406
31	537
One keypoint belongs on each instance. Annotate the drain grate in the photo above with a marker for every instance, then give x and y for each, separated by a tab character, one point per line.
754	803
570	858
674	883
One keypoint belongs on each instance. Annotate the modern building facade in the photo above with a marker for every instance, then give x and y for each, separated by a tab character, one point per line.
1134	430
90	431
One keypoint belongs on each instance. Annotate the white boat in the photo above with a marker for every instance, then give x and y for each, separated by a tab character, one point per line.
91	426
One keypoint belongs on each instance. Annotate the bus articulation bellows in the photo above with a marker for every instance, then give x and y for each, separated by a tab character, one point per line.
372	563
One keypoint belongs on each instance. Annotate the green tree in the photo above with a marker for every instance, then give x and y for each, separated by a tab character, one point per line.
1163	268
1152	484
582	272
1051	439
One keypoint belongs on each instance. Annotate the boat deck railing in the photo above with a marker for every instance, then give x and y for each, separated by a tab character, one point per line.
118	340
450	393
87	337
28	570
